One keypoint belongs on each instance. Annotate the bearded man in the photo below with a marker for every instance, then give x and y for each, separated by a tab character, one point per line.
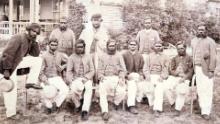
204	62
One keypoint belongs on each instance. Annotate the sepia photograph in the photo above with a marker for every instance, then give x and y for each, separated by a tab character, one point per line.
109	61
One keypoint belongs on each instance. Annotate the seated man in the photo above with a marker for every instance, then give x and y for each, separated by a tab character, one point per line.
134	64
111	74
181	70
51	75
156	72
80	72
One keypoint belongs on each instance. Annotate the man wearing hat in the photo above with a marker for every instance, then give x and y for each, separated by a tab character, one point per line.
95	37
181	72
156	72
65	36
204	63
147	37
50	75
80	72
111	73
22	51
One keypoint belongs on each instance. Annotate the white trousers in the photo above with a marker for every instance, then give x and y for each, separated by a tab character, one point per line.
62	94
110	87
10	98
176	92
77	87
132	88
153	90
204	90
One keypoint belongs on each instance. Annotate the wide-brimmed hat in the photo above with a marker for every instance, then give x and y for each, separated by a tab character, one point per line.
6	85
50	91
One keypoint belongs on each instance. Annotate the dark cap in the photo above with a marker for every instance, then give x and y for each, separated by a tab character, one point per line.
96	16
33	26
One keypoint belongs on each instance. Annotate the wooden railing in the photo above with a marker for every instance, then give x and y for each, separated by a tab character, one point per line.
19	27
4	30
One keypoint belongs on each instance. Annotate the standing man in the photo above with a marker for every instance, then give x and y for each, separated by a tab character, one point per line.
22	51
65	36
80	72
134	64
95	37
181	72
51	71
147	37
111	73
204	62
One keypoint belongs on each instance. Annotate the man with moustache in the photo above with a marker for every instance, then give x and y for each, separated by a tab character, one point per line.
147	37
65	36
156	72
51	75
22	51
80	72
95	37
111	74
204	62
134	64
181	72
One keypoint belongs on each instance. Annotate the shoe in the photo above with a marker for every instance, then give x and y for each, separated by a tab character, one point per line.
105	116
116	107
84	115
133	110
206	117
145	101
172	107
54	108
48	111
156	113
34	86
177	113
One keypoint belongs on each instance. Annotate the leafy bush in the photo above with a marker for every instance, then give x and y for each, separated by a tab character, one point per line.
75	20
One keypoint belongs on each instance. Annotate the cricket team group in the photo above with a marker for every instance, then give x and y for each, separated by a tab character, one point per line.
70	68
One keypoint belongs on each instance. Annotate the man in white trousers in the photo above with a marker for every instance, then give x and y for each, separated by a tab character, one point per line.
181	72
204	62
156	72
51	71
134	64
22	51
111	74
80	72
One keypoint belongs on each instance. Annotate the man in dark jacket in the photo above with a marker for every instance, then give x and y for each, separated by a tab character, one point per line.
204	63
134	63
21	52
181	72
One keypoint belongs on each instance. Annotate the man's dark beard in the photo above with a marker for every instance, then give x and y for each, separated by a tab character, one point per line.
182	54
201	35
96	27
80	52
111	52
63	28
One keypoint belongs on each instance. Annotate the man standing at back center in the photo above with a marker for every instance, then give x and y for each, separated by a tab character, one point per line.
65	36
147	37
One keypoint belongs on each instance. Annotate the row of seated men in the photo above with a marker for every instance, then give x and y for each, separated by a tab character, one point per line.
120	75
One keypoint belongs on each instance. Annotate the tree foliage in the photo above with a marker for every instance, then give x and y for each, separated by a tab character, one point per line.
75	19
174	23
